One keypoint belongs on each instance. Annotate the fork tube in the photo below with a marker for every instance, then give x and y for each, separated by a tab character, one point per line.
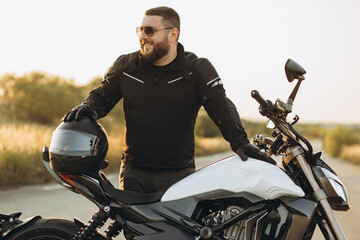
323	202
325	228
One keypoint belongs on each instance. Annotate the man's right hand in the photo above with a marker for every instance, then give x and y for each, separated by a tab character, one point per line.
80	111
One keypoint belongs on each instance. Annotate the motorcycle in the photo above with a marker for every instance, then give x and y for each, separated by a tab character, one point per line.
229	199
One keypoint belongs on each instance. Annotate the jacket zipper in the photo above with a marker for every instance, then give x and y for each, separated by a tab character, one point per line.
154	110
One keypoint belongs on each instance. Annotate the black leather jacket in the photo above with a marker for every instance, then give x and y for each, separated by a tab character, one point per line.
161	107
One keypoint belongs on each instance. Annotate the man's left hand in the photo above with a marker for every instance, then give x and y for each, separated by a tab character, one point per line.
251	150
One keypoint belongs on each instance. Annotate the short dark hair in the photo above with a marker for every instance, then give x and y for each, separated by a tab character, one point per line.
170	16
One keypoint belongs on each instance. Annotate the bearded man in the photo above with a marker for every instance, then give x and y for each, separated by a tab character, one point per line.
163	88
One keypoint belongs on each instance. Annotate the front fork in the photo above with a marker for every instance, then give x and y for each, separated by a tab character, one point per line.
319	195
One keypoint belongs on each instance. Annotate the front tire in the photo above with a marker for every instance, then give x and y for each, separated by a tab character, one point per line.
45	229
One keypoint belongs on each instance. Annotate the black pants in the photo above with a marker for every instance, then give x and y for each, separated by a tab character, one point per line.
148	180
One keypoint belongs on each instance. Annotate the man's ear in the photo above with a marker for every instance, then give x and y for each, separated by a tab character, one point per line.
174	33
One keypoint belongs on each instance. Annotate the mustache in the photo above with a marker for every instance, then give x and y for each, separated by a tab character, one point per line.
144	41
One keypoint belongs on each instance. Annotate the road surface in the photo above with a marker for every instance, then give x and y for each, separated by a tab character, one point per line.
54	201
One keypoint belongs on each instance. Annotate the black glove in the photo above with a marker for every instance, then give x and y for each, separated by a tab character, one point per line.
251	150
80	111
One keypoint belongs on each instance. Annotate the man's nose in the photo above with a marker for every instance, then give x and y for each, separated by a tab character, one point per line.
142	35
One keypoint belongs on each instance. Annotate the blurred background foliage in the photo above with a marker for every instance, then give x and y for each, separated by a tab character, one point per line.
39	97
32	105
343	142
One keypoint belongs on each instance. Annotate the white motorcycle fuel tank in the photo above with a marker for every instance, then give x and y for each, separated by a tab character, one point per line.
232	174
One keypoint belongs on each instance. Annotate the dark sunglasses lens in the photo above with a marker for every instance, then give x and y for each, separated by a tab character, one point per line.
149	31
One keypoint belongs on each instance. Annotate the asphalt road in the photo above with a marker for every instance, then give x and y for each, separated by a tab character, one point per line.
54	201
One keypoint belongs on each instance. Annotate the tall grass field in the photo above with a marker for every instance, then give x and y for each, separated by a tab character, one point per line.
21	153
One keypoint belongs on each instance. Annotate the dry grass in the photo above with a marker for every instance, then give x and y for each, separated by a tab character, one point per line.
351	153
115	139
24	137
21	152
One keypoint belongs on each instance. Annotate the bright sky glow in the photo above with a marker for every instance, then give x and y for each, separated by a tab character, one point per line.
248	42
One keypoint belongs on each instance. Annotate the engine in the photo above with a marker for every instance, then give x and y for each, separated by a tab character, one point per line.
237	230
251	227
234	232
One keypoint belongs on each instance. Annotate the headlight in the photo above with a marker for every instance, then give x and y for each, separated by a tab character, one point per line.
333	187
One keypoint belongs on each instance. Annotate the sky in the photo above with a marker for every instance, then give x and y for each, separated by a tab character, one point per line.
248	42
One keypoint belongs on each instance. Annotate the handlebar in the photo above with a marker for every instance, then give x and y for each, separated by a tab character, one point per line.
263	103
267	108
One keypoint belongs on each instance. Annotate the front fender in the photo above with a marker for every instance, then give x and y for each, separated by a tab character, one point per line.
10	223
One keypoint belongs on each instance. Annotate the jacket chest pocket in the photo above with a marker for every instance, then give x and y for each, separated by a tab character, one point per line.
134	92
178	92
173	81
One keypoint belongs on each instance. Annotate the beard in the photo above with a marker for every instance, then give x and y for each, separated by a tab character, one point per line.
159	50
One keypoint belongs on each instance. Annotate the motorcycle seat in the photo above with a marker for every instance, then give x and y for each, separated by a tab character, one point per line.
131	198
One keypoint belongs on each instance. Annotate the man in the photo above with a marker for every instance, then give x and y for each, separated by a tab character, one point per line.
163	87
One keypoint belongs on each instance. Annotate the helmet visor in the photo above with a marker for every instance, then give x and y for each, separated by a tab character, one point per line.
73	143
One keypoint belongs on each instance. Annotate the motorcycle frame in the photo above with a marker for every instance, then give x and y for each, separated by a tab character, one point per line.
144	219
166	216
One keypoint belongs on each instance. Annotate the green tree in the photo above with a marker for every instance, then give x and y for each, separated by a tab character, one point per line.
253	128
337	138
39	97
93	83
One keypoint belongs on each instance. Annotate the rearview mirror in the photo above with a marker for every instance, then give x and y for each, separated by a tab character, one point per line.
294	71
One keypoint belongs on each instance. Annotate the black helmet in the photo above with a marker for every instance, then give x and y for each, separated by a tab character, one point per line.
78	147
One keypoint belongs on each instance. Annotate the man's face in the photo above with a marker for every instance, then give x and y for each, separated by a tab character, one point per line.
157	46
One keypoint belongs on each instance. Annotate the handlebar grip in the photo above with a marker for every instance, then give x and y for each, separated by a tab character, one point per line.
263	103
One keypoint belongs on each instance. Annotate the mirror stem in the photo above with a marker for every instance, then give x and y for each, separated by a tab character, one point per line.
292	96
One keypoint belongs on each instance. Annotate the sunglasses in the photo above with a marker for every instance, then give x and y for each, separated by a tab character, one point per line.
149	31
